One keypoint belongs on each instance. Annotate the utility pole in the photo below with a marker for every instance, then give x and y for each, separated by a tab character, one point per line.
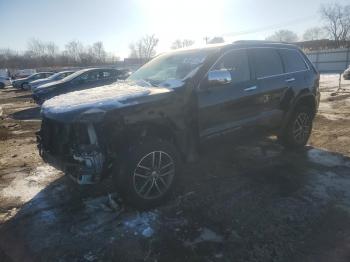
206	40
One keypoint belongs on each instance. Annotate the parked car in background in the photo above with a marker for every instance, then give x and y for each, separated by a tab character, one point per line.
22	73
23	83
4	81
82	79
139	131
4	73
124	73
346	74
55	77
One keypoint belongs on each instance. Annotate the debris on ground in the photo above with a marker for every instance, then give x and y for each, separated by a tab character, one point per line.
206	235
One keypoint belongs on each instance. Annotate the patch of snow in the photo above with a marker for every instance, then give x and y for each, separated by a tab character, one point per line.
329	76
107	203
326	158
172	83
142	223
90	256
327	186
207	235
25	186
148	232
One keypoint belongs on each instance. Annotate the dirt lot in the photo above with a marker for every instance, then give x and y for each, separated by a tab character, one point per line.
255	202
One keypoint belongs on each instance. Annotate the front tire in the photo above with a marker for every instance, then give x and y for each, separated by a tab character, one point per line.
2	85
298	129
148	174
25	86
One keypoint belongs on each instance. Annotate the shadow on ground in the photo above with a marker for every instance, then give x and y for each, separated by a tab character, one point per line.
27	114
244	203
25	96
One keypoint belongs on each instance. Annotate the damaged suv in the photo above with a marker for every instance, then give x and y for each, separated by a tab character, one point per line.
140	130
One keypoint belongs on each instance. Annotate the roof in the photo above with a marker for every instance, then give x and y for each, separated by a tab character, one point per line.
240	43
264	43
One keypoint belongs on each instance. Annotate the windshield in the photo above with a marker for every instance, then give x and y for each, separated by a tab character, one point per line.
171	66
74	75
54	76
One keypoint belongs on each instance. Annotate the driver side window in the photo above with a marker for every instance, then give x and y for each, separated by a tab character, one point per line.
80	79
236	62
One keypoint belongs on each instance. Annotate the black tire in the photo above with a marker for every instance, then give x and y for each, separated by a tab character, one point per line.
2	85
144	184
298	130
25	86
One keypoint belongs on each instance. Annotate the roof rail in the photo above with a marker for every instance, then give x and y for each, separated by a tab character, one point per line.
258	42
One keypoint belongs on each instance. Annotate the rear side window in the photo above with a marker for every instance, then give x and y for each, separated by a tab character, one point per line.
104	74
292	60
236	62
267	62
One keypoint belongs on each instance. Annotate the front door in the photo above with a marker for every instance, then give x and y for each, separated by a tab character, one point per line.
232	106
271	79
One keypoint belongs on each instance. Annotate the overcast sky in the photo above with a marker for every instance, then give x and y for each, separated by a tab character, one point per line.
118	23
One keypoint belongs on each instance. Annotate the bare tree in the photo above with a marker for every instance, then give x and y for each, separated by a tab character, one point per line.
216	40
36	47
314	33
74	50
178	43
283	36
144	48
99	52
51	49
337	21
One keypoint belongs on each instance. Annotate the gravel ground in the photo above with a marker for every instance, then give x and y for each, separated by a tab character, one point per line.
250	202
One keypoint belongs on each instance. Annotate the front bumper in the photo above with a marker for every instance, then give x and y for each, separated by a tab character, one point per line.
83	164
37	99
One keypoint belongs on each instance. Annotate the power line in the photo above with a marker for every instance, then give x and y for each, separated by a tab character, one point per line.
266	28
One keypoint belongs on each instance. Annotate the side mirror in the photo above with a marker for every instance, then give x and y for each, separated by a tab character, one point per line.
219	77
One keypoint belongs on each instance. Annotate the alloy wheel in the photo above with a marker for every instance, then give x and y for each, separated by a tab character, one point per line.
153	175
302	127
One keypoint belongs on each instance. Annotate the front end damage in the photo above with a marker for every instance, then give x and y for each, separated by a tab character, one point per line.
73	148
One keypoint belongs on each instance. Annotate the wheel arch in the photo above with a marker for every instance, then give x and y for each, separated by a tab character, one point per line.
305	98
165	130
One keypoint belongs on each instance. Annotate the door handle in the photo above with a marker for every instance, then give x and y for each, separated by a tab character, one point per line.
250	88
290	79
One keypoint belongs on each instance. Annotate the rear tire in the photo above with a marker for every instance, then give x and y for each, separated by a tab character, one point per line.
298	129
148	173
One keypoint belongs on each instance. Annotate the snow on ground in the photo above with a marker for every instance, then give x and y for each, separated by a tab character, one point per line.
25	186
206	235
142	223
326	158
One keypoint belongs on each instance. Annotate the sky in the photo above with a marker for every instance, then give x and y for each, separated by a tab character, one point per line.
117	23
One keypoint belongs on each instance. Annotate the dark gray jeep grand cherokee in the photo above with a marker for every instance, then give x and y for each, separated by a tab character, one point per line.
140	130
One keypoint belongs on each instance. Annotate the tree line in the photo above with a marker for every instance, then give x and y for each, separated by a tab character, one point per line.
336	27
47	54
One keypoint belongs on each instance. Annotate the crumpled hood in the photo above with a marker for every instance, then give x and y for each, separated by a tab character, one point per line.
106	97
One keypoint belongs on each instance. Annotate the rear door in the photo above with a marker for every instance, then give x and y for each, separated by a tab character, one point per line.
270	77
108	76
227	108
296	69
